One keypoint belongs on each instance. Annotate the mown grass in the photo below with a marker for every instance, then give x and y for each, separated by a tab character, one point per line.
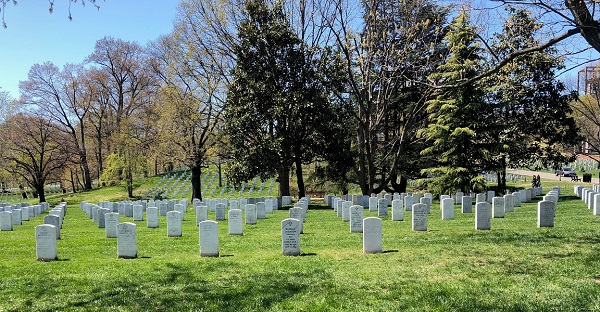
451	267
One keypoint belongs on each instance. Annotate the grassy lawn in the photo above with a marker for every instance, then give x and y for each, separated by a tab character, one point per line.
451	267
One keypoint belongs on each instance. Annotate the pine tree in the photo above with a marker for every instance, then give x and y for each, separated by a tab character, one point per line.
454	132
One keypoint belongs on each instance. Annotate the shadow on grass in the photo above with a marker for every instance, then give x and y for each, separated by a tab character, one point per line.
186	287
390	251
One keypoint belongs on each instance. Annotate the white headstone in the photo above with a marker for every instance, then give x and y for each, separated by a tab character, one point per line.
419	217
596	204
498	207
408	203
372	204
290	237
346	210
138	213
372	235
111	220
480	198
181	208
6	221
467	204
545	214
16	217
129	210
25	213
53	220
459	195
152	217
509	203
233	204
220	211
297	213
261	210
45	242
209	238
382	207
447	205
357	215
201	213
251	214
516	199
126	240
102	217
398	209
174	224
490	196
483	216
235	222
427	202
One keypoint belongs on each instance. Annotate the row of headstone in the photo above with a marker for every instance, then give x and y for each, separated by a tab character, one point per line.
11	216
591	197
47	234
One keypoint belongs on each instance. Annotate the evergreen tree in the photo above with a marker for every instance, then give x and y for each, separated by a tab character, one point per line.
531	117
454	133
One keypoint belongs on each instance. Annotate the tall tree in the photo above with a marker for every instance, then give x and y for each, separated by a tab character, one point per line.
455	130
37	150
386	64
531	118
274	105
64	98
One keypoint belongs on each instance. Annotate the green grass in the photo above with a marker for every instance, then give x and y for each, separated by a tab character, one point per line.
452	267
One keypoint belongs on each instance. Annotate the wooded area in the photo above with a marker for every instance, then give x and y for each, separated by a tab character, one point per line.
372	92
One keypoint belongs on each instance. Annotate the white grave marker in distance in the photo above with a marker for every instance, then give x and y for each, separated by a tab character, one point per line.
356	218
126	240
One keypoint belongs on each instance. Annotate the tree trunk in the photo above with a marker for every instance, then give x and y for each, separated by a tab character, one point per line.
284	180
220	177
39	188
73	181
196	182
300	178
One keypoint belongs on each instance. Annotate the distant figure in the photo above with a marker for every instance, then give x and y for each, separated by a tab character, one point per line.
533	181
539	181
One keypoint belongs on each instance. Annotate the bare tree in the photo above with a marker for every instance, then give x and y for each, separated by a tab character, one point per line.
65	99
36	149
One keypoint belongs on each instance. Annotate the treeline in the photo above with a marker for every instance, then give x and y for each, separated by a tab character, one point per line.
373	92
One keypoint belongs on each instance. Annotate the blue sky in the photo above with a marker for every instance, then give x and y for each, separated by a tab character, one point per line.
36	36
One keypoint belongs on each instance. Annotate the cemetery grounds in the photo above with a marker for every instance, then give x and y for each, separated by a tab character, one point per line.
452	267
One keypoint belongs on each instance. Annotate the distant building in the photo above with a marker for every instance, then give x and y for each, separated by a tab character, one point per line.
588	80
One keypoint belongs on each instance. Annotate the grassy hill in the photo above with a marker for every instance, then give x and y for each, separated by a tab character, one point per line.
451	267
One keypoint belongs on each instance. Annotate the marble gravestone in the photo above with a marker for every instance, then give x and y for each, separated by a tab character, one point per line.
345	211
372	235
6	221
138	213
447	205
111	220
45	242
152	217
209	238
398	209
382	207
174	223
408	202
372	204
201	214
419	217
235	222
483	216
261	210
126	240
290	237
53	220
297	213
356	218
250	214
467	204
498	207
545	214
509	203
220	212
